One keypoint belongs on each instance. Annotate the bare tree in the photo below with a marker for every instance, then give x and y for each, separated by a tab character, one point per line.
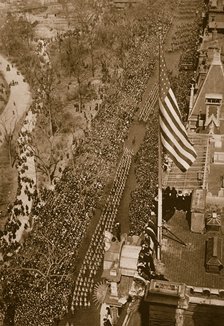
45	79
50	262
49	156
8	126
38	273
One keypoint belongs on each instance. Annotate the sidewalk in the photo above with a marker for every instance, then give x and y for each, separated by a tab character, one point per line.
19	98
18	104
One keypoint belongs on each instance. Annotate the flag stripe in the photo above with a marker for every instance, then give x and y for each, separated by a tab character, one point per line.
183	155
174	143
175	104
152	225
177	134
173	112
170	123
180	163
174	136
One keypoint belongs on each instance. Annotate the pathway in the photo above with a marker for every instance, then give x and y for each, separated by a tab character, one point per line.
27	168
18	104
19	98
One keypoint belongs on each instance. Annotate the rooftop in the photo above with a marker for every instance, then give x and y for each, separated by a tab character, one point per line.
187	264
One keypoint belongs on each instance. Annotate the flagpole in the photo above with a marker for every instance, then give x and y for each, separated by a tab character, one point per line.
159	217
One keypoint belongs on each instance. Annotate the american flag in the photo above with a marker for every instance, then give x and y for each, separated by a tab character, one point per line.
174	136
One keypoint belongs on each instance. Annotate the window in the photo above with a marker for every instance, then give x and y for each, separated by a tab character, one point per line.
216	101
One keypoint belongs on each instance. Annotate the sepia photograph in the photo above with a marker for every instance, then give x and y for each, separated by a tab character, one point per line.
111	163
